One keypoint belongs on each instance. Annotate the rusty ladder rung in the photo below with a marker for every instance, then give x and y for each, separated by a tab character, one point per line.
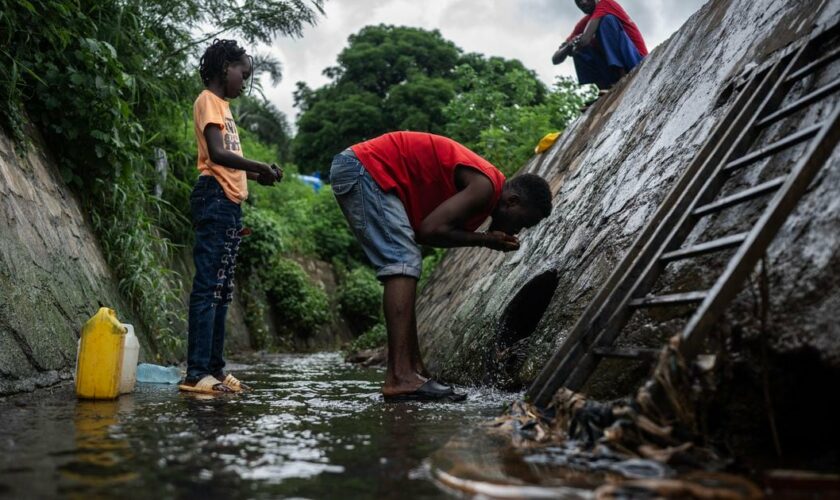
705	248
741	197
771	149
674	299
800	103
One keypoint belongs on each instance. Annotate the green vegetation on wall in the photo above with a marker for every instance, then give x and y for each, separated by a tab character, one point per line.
374	338
108	84
301	307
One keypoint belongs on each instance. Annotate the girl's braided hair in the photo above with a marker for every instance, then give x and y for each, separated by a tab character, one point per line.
216	59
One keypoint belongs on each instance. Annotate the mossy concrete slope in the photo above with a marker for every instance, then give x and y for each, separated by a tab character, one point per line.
53	276
609	172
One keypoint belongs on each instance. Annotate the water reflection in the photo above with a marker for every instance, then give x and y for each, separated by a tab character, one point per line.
100	458
313	427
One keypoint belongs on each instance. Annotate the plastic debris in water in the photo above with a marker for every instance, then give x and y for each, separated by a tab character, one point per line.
154	374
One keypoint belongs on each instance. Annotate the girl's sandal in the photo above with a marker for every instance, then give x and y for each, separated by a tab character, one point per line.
207	385
234	384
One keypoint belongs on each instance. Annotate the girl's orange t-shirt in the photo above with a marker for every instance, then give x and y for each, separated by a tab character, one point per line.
209	109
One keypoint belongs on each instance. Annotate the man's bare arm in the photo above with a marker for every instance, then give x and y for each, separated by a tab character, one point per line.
443	227
562	53
589	33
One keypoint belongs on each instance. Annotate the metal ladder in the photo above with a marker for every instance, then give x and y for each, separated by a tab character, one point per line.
695	196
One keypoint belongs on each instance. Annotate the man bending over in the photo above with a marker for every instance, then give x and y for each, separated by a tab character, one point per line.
408	188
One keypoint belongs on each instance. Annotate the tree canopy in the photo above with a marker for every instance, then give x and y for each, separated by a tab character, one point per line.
503	111
268	124
397	78
387	78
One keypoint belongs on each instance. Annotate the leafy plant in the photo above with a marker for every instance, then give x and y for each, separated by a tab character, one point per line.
260	248
134	248
504	112
301	306
268	125
374	338
330	232
360	299
252	298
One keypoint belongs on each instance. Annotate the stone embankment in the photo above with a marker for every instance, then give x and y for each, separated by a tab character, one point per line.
53	276
492	317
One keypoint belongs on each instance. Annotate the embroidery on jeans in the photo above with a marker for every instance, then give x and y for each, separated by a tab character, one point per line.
231	245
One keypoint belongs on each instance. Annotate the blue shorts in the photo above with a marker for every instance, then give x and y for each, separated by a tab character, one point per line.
378	219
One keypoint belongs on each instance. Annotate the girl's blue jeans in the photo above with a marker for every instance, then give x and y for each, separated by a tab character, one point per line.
217	222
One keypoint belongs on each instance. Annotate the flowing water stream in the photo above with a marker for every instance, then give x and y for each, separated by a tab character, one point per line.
313	427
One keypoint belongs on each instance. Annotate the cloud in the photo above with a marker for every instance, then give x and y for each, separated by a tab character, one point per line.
528	30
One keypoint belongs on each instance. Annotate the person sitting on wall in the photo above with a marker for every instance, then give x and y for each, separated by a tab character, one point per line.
605	45
403	189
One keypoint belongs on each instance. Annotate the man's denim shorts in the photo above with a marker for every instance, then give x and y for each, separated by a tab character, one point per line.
377	218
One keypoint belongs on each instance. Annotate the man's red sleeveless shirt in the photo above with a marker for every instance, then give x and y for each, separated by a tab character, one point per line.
420	169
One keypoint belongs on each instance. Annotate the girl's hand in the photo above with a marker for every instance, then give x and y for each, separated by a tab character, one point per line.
267	176
278	172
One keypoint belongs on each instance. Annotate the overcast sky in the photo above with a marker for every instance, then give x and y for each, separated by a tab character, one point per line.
528	30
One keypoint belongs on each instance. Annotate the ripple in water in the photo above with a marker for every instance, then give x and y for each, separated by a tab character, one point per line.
313	427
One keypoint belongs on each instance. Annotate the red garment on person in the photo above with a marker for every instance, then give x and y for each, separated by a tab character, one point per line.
420	169
611	7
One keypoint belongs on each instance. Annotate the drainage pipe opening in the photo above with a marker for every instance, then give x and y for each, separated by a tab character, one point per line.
518	323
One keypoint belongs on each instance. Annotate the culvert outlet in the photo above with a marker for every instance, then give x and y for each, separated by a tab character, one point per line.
518	322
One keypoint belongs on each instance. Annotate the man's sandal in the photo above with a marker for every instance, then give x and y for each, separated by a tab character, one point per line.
429	391
234	384
207	385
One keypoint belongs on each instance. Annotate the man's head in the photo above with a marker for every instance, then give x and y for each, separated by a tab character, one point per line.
587	6
525	201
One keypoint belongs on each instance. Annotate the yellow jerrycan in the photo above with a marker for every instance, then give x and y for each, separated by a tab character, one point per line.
100	360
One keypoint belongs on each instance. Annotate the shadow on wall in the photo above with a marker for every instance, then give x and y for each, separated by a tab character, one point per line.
518	323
